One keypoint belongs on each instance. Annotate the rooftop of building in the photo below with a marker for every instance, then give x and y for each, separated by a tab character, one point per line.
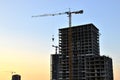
89	24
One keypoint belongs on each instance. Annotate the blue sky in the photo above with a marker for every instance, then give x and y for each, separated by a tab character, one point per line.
24	39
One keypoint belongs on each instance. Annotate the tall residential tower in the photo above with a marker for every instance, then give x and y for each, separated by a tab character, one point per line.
86	62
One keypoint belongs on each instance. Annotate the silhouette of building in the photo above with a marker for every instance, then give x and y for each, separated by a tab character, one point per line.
86	63
16	77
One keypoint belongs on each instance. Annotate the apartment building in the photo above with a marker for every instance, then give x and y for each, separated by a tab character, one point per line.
85	61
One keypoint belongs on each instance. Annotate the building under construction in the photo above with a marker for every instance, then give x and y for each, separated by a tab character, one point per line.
79	56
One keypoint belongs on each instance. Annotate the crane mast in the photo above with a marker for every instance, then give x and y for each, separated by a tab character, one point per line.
69	13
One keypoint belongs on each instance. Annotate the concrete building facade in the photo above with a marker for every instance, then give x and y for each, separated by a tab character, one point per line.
86	63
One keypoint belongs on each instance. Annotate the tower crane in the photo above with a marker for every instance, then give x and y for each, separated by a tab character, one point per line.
69	13
56	47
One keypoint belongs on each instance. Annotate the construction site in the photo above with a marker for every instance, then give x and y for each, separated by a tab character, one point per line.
77	57
80	59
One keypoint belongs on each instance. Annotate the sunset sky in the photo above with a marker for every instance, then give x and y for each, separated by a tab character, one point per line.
25	42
